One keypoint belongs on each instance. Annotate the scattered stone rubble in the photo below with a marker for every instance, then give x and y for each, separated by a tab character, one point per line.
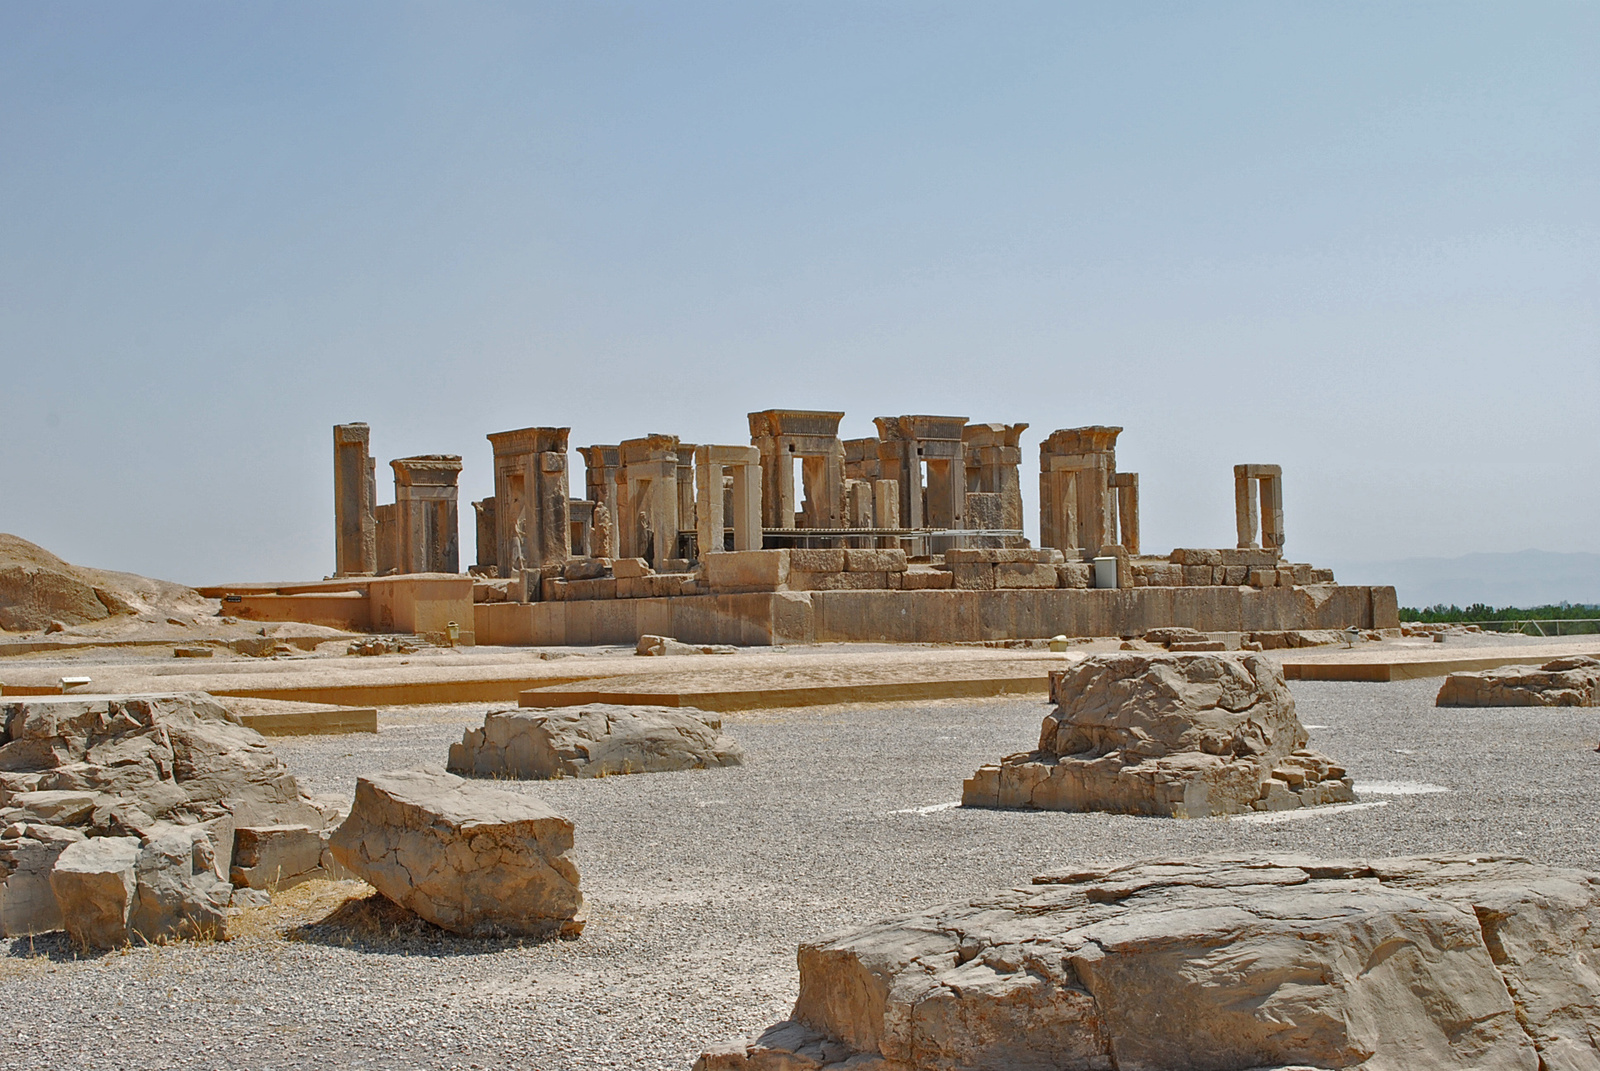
140	793
666	645
1180	735
465	857
598	740
1219	962
1562	682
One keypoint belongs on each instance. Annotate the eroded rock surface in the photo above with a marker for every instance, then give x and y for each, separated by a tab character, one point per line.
466	857
1215	963
1562	682
1182	735
598	740
145	769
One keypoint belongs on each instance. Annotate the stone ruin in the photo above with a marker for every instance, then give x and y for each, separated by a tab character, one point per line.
597	740
1176	735
1561	682
120	816
1219	962
470	859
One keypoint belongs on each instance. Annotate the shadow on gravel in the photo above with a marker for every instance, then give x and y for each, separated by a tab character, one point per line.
377	924
56	947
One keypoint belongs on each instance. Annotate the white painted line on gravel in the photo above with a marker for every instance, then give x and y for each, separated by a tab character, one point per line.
1397	788
1268	818
929	809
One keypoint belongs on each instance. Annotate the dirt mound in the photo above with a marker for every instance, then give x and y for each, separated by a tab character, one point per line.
36	588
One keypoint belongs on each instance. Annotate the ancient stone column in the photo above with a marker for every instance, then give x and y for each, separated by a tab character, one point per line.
427	525
532	515
994	458
1077	511
488	542
355	494
781	436
907	444
1126	485
1248	482
647	499
712	464
602	468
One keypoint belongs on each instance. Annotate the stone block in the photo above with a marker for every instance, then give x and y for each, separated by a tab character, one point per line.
1263	578
1236	575
1285	577
28	852
924	579
1196	556
874	561
667	585
1197	575
633	587
828	560
276	857
94	882
178	894
1075	575
630	568
1321	576
972	576
1302	574
598	740
988	555
805	581
552	589
465	857
1164	575
585	569
1562	682
1178	735
586	590
1024	575
1223	961
746	570
1265	558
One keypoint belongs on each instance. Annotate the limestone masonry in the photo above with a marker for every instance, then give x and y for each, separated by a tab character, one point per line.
1191	965
914	534
1181	735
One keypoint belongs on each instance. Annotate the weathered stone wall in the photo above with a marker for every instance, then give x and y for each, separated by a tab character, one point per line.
764	618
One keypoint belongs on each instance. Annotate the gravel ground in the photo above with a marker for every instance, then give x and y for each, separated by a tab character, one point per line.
700	885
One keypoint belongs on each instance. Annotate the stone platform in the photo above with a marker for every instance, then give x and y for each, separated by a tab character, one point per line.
756	619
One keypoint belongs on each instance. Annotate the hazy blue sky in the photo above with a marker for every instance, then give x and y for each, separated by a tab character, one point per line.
1362	241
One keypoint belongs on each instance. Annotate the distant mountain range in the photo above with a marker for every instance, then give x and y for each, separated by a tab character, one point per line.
1526	578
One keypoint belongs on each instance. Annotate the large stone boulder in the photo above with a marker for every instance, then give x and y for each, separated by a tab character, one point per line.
121	765
28	852
465	857
1181	735
113	891
1562	682
1214	963
599	740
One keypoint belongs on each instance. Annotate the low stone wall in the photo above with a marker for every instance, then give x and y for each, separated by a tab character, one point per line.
765	618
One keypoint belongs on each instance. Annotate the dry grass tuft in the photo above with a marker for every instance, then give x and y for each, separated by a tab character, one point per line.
296	907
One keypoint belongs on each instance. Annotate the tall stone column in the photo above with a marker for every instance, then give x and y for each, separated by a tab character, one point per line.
648	499
1248	482
1127	487
355	494
781	436
532	512
711	465
1077	507
602	467
427	523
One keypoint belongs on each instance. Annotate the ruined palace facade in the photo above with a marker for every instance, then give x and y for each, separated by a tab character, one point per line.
911	535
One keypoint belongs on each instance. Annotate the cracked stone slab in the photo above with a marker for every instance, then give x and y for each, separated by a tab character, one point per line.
1270	961
468	858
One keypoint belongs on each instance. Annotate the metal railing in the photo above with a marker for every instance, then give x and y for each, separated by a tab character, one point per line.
1540	625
